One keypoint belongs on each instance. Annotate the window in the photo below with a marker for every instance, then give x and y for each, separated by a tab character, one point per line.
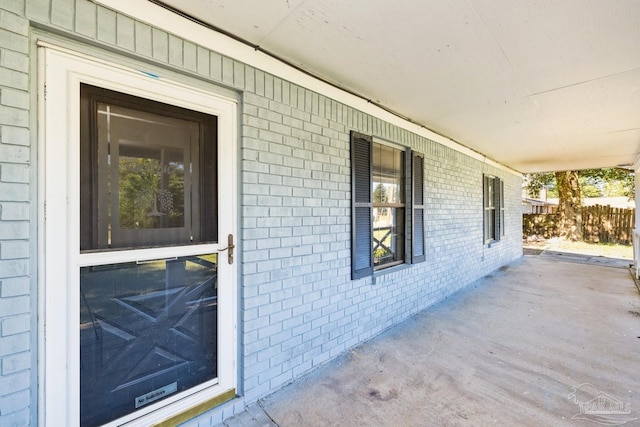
388	205
385	180
493	190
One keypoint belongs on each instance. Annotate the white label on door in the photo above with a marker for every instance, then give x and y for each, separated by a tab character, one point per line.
156	394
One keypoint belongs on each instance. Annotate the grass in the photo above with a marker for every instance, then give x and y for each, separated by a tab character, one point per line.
609	250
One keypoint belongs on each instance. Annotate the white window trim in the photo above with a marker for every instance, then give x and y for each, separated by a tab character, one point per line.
406	193
59	256
498	223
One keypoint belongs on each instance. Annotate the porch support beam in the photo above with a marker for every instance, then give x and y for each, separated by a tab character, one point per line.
636	231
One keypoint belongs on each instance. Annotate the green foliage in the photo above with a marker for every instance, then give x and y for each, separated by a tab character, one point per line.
380	196
616	189
612	181
535	182
590	187
138	180
605	182
144	203
380	253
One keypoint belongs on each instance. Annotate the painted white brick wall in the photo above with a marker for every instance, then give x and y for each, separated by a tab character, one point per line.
298	306
303	313
16	339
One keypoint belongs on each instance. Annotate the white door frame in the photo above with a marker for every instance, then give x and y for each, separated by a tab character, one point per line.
60	74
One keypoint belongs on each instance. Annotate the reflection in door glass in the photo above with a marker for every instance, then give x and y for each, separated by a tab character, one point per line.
147	331
148	173
142	180
151	187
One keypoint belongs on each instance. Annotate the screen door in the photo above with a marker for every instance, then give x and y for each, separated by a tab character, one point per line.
148	327
137	196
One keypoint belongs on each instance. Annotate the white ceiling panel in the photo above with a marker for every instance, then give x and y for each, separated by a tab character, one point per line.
536	85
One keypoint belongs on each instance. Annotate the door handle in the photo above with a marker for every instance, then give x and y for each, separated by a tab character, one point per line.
229	248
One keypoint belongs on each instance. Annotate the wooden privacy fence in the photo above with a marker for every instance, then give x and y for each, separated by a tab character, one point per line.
600	224
605	224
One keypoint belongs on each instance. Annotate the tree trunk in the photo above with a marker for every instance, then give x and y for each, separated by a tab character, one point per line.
569	206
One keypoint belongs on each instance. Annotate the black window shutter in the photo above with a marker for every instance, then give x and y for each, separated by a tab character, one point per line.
496	208
417	201
501	213
361	206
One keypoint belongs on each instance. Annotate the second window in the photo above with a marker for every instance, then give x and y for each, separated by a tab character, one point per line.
387	206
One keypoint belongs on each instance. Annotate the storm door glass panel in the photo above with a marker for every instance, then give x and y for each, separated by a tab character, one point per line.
145	178
148	173
388	205
148	330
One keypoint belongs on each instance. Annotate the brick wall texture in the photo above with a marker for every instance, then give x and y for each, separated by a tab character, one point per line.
298	306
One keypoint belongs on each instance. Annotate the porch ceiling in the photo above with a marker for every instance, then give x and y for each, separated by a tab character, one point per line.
537	85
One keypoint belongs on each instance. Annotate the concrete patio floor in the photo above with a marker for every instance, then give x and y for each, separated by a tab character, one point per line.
524	346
